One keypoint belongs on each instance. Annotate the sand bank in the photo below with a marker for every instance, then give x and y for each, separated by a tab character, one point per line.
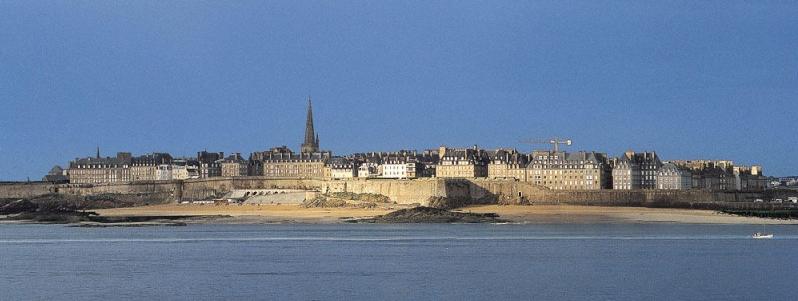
540	214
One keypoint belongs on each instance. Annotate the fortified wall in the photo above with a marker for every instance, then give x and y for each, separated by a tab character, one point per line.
418	191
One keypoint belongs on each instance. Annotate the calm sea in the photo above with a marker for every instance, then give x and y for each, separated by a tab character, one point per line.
398	262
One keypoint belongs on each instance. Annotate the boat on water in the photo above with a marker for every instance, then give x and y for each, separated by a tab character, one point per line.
760	235
763	234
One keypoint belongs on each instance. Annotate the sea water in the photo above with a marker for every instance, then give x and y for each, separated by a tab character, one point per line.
398	262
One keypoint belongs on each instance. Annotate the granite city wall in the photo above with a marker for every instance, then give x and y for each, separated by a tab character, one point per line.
418	191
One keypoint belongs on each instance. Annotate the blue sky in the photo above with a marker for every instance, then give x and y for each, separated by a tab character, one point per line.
693	79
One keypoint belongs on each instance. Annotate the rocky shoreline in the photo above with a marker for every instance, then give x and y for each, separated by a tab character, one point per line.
76	212
429	215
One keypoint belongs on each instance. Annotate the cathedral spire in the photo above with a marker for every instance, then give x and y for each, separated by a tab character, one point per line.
98	152
311	144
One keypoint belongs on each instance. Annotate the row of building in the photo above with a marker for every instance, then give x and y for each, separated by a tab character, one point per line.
558	170
554	169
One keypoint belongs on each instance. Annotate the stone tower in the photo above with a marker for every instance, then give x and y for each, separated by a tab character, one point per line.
311	143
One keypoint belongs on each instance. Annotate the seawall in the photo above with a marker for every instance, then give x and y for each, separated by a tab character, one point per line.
418	191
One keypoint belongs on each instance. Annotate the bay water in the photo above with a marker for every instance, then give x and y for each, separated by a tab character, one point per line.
399	262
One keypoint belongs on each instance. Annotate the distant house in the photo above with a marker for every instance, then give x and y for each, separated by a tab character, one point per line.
57	175
145	167
99	170
569	171
342	168
281	162
672	177
507	164
635	171
234	166
210	164
462	163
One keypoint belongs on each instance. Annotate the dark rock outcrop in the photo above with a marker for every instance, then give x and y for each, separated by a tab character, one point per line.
431	215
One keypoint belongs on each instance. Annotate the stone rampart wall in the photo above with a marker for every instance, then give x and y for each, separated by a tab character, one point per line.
401	191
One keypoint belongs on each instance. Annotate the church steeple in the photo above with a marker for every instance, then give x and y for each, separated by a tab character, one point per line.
98	152
311	143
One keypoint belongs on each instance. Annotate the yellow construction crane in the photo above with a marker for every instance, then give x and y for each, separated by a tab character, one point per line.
555	142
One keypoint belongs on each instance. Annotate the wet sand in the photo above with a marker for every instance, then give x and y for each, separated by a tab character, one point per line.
247	214
539	214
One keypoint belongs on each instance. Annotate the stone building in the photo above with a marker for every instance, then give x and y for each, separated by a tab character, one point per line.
57	175
673	177
281	162
234	166
163	172
507	164
462	163
635	171
368	170
210	164
402	164
569	171
401	167
749	178
714	178
99	170
302	165
342	168
145	167
724	175
180	169
625	173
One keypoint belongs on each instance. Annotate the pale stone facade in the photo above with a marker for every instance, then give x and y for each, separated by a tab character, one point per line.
234	166
626	174
163	172
508	164
100	170
282	163
723	175
635	171
462	163
672	177
341	168
144	168
180	169
368	170
574	171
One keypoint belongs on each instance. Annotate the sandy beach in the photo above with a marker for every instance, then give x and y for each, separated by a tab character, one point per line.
539	214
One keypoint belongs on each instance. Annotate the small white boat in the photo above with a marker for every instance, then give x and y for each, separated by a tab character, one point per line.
759	235
762	235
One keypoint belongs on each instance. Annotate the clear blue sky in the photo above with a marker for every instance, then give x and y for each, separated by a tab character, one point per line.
692	79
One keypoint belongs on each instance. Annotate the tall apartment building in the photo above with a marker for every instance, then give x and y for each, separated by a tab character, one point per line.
569	171
281	162
724	175
180	169
507	164
636	171
234	166
673	177
145	167
99	170
210	164
342	168
462	163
